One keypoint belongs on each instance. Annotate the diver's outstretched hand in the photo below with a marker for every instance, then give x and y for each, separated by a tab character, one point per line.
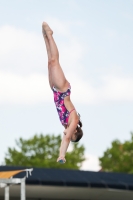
61	160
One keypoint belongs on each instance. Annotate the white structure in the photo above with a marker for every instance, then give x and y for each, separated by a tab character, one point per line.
6	179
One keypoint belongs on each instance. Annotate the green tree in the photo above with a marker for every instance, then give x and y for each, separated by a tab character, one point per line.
118	158
43	151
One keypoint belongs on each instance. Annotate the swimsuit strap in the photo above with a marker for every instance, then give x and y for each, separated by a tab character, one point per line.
72	110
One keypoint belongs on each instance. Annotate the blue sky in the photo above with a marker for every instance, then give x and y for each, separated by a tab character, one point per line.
95	44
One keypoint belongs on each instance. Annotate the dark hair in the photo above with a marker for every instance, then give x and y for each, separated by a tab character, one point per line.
79	132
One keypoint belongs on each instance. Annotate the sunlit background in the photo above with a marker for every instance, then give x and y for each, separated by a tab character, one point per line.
95	41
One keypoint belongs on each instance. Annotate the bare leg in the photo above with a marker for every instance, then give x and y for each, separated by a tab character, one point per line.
56	72
47	48
49	59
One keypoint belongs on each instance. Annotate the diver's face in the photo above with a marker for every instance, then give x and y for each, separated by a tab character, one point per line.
74	136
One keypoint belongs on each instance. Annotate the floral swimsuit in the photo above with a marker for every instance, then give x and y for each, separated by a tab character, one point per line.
59	102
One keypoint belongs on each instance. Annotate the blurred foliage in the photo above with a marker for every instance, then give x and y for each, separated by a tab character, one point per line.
118	158
43	151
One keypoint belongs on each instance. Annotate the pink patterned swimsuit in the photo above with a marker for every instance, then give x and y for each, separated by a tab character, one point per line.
59	102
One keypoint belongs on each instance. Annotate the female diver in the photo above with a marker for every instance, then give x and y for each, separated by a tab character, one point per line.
61	88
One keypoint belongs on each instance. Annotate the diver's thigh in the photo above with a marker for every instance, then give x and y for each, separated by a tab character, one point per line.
58	77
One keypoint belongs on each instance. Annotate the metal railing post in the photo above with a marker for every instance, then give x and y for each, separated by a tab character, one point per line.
7	192
23	192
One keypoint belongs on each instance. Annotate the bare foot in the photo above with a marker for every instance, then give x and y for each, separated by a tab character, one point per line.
46	29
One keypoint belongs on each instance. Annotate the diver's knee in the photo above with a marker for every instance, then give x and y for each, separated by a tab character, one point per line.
53	62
